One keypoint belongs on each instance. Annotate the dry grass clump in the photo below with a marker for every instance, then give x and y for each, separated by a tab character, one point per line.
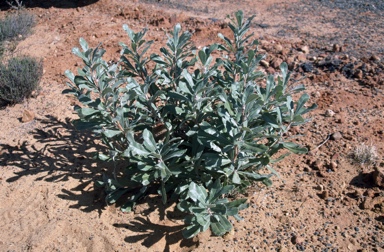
365	154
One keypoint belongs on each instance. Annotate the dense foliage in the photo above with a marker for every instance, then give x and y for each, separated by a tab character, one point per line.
187	125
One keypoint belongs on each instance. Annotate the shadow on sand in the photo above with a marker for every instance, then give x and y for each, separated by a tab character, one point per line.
165	228
60	153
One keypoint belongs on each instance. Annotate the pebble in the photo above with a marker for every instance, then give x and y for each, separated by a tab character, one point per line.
336	48
276	62
264	63
340	118
301	57
329	113
378	176
324	194
336	136
307	67
27	116
358	74
374	57
333	165
305	49
278	48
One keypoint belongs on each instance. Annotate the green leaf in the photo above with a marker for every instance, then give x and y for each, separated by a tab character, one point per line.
111	133
197	192
88	112
69	75
254	176
295	148
267	182
99	183
127	207
76	51
178	96
149	140
163	193
221	226
219	209
300	104
215	147
138	149
84	44
256	148
203	57
191	231
236	178
115	195
236	205
174	154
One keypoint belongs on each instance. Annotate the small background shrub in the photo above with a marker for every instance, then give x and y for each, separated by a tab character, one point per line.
19	77
16	26
365	154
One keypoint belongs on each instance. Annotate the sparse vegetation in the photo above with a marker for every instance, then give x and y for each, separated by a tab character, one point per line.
365	154
16	26
19	77
192	129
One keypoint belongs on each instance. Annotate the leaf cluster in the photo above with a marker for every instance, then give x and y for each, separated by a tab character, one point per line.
192	125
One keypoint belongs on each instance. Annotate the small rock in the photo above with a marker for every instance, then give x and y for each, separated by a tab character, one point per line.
307	67
305	49
340	118
333	166
301	57
27	116
329	113
278	48
318	165
292	64
374	57
264	63
276	63
358	74
336	48
297	239
336	136
378	177
324	194
369	203
285	52
317	94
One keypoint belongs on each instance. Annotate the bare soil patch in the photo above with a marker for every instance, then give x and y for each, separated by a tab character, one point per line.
322	201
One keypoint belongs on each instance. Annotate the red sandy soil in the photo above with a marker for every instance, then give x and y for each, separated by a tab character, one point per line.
322	201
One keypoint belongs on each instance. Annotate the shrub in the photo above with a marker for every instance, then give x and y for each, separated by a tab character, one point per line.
19	77
188	127
364	154
16	26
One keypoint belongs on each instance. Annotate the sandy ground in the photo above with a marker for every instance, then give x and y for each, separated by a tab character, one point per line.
322	201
